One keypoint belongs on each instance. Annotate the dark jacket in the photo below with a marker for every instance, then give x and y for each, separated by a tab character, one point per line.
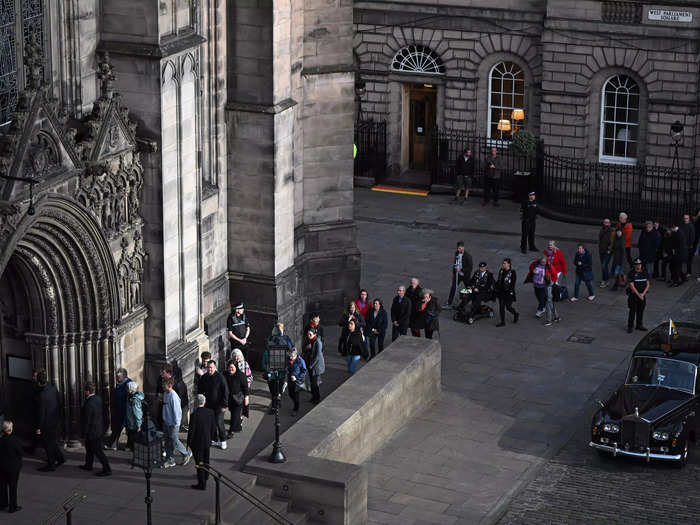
296	368
202	429
355	342
688	233
118	406
679	246
465	168
401	311
485	283
618	250
215	389
505	284
10	454
493	167
236	384
467	263
91	418
583	262
605	239
430	314
48	408
313	356
416	297
377	323
528	211
648	244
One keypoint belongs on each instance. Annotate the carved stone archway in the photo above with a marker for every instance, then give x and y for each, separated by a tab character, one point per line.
61	263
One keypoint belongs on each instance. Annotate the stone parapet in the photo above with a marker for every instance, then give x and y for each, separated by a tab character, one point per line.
325	450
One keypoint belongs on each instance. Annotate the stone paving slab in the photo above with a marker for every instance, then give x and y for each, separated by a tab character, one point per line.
511	396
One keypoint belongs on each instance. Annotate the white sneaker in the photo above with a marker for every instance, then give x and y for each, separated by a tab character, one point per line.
187	459
591	297
573	299
539	313
223	445
214	443
169	463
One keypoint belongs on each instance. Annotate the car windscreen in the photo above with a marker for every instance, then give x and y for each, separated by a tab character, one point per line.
669	373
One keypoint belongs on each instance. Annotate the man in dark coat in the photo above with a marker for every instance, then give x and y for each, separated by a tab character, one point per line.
687	229
461	270
636	296
10	466
429	311
238	329
648	244
118	407
464	175
679	250
482	284
528	223
492	178
401	309
48	419
202	431
93	429
214	387
415	293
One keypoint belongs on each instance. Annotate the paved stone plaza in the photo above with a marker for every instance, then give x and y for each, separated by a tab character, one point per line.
490	451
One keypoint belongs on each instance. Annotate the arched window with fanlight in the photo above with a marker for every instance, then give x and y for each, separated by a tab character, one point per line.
506	94
22	23
418	59
619	122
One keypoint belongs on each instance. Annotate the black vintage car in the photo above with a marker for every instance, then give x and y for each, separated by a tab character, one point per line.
653	415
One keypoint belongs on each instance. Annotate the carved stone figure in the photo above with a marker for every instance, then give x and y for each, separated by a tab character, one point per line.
134	203
107	218
120	206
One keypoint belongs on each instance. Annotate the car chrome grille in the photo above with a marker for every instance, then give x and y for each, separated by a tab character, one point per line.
635	434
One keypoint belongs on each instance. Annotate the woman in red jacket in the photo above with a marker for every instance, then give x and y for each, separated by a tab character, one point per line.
363	303
626	228
555	258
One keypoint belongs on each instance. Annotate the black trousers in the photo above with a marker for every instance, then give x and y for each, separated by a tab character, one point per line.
457	278
376	344
201	455
8	489
235	423
429	333
54	455
689	261
293	390
636	306
527	238
93	448
220	425
676	266
491	187
396	331
476	299
505	304
315	387
628	254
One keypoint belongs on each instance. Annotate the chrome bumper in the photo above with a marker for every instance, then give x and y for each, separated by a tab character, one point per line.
645	455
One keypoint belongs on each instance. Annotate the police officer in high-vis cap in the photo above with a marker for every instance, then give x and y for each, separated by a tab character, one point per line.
238	328
637	295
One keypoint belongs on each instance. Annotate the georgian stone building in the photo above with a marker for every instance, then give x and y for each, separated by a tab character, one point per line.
159	160
596	80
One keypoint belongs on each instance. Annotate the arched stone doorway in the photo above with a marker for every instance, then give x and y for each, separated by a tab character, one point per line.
60	305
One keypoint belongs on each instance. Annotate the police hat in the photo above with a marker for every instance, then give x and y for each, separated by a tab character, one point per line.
239	306
532	193
637	261
482	264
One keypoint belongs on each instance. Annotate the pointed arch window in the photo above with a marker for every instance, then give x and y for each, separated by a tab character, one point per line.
619	121
418	59
22	22
506	93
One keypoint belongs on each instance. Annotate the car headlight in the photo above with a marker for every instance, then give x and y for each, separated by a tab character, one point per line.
609	427
660	436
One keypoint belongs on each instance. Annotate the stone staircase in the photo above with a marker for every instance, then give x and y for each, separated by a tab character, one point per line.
237	510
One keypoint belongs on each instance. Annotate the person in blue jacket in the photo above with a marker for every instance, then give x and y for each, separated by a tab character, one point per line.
583	262
296	372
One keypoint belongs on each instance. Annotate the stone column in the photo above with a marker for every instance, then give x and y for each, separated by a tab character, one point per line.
261	116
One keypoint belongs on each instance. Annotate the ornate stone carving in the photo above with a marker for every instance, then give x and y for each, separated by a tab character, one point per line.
131	271
10	214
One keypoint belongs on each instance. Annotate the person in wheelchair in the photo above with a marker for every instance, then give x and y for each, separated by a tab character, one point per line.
482	289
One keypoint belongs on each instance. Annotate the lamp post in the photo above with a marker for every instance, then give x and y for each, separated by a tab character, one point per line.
277	364
148	454
360	88
676	133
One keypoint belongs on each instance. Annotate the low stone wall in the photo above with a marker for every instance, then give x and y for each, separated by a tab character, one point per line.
325	450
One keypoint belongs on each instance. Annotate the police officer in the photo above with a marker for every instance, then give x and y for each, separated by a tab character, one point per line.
238	328
482	284
505	291
528	220
636	295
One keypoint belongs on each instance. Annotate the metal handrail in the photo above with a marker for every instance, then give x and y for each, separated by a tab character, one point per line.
221	478
66	509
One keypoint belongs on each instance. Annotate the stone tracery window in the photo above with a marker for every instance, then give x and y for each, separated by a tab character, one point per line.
619	122
506	93
418	59
21	22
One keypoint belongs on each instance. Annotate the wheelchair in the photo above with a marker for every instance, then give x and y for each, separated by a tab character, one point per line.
464	312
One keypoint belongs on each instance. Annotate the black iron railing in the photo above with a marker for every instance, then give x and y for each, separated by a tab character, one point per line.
66	509
370	140
447	145
221	479
594	189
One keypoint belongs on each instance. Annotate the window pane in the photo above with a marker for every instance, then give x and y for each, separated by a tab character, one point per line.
633	116
609	114
634	101
619	148
609	131
621	114
632	131
608	147
519	101
610	99
507	101
632	149
507	85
